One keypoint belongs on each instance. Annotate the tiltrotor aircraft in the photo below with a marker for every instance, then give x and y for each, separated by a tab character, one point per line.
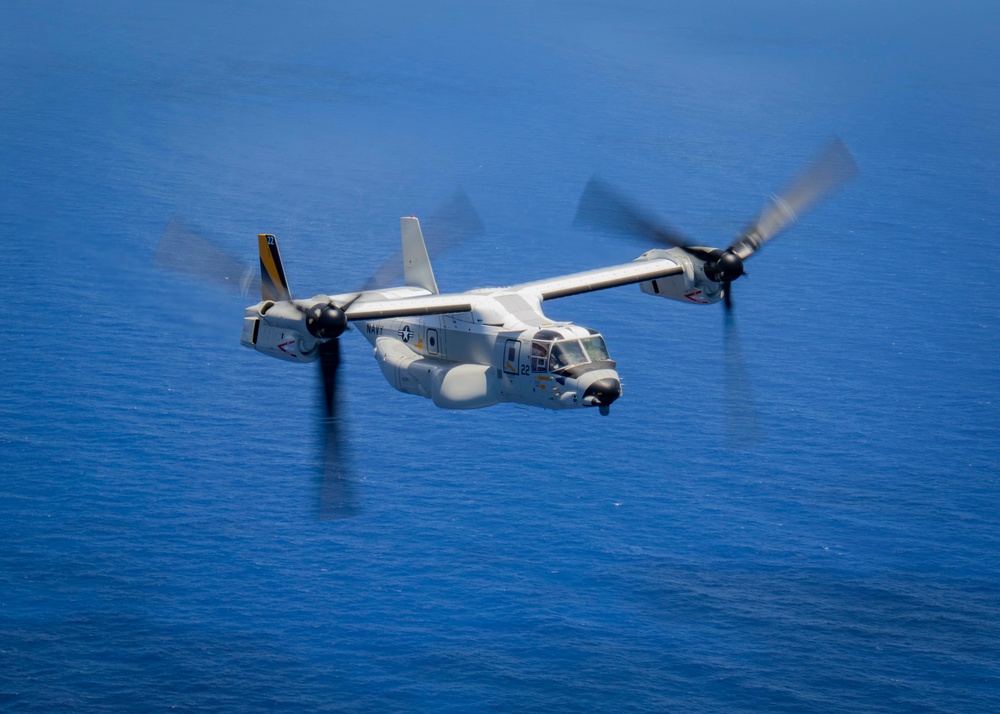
491	345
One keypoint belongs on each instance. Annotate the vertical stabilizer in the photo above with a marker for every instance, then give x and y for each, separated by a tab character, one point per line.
416	265
273	285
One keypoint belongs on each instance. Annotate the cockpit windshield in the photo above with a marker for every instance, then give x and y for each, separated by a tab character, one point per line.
566	354
570	353
595	348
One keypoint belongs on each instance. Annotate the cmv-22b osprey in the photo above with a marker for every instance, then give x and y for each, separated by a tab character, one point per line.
491	345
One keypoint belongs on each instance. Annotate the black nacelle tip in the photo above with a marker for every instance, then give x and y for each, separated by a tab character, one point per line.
604	391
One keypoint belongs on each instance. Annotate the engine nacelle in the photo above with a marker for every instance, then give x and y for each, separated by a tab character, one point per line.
278	330
450	385
690	286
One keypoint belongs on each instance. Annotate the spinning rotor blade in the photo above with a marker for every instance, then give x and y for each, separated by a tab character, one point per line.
337	497
742	426
603	207
833	167
329	361
456	221
184	251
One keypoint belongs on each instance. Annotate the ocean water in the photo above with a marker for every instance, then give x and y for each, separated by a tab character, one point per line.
159	546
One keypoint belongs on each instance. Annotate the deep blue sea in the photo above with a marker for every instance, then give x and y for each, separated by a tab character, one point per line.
159	545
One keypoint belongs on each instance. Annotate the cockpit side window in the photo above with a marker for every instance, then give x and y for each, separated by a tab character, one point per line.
539	356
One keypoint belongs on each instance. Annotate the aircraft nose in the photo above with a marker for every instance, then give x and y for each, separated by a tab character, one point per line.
603	392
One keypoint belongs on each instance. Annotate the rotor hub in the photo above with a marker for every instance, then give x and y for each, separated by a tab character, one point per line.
725	267
325	321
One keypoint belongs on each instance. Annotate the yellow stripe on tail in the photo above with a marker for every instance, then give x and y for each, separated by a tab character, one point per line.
273	285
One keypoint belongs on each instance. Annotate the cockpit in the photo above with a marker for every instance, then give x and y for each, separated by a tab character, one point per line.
554	352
